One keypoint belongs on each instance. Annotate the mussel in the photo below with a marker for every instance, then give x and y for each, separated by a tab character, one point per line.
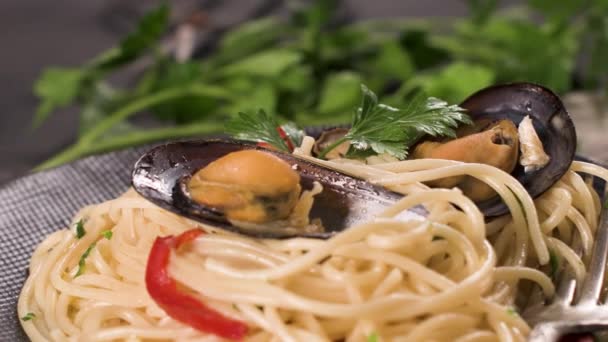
493	139
551	122
169	174
164	176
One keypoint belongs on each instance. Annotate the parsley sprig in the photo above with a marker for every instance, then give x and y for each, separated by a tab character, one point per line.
58	87
256	127
308	66
263	128
376	128
380	128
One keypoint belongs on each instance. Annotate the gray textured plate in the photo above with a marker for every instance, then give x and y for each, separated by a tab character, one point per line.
34	206
38	204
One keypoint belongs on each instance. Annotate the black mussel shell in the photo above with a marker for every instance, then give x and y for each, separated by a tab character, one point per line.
161	176
551	121
327	137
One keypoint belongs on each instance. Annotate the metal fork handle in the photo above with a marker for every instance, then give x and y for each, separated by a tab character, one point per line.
592	286
552	331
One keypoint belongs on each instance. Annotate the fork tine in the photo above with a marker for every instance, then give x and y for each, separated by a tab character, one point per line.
564	294
536	299
566	287
592	286
564	315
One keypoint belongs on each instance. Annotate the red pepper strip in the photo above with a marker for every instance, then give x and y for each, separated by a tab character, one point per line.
181	306
283	136
286	138
266	145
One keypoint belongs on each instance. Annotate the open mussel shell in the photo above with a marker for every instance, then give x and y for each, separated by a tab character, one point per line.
161	176
551	122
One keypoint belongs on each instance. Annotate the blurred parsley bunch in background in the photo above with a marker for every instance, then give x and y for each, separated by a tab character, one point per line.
308	68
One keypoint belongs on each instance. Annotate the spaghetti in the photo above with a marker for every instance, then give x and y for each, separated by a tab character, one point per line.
447	277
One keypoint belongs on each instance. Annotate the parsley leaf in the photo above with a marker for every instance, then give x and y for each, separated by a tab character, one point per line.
82	261
386	129
509	47
149	29
264	64
107	234
186	109
455	81
373	337
481	10
28	317
56	87
340	93
257	127
59	87
80	232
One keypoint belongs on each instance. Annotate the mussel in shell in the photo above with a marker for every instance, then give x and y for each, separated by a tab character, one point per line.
551	122
190	179
210	180
493	139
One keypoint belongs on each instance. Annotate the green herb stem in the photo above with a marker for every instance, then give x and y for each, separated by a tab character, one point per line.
88	144
331	147
149	101
143	137
67	155
129	140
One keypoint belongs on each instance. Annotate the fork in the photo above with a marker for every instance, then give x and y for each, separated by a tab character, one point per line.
574	309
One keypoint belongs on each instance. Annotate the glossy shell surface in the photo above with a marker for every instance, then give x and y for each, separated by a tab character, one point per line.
551	122
161	176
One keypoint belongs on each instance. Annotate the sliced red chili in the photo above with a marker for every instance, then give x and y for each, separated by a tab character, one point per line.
178	304
283	136
266	145
286	138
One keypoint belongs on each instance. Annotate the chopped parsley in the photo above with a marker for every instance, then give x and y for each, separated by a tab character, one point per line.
554	262
80	232
511	311
107	234
28	317
373	337
82	261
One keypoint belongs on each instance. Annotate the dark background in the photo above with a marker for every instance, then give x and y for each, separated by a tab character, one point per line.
36	34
